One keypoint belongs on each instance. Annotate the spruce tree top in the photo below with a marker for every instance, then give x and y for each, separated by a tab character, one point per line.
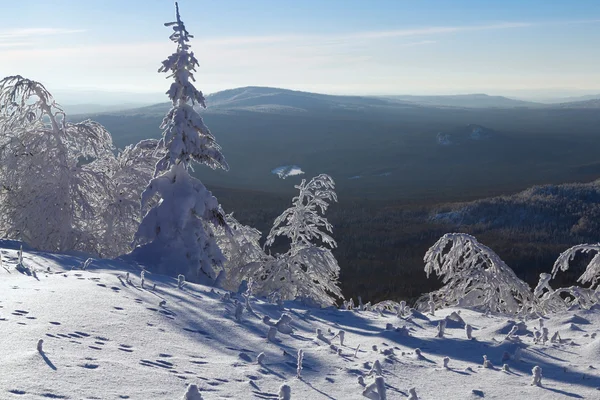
185	137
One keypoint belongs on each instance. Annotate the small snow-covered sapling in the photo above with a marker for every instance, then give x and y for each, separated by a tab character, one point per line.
356	351
299	365
469	331
341	335
537	376
446	360
321	337
380	383
512	333
86	264
192	393
127	277
431	304
441	328
376	369
401	309
487	363
285	392
544	337
361	306
412	394
505	368
283	324
555	338
537	336
154	287
541	322
142	277
260	358
180	281
239	309
40	343
271	334
418	354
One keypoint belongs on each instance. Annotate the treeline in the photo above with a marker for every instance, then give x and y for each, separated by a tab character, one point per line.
381	244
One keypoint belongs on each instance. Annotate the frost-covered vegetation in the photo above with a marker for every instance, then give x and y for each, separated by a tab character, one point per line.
65	188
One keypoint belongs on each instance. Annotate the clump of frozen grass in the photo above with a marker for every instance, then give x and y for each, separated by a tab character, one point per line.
299	366
180	281
537	376
192	393
285	392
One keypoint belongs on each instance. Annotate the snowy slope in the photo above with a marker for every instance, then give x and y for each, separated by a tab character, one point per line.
105	338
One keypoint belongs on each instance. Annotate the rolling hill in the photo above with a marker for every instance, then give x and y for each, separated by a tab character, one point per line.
382	148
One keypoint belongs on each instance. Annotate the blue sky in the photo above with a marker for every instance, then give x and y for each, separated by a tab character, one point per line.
520	48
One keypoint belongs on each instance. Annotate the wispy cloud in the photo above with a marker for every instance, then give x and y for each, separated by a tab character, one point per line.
25	33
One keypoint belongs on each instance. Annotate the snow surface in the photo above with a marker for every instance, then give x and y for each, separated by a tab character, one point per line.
287	170
106	338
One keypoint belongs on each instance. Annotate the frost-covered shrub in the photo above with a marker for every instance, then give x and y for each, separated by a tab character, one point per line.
55	174
176	235
308	271
562	298
243	253
473	276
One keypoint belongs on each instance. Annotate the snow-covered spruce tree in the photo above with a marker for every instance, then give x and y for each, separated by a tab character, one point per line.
473	276
55	175
308	271
176	235
244	255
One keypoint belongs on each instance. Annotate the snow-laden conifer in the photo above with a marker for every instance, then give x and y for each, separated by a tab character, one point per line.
474	276
176	235
308	271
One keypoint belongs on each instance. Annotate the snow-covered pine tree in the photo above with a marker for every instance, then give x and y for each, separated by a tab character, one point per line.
308	271
474	276
55	174
176	235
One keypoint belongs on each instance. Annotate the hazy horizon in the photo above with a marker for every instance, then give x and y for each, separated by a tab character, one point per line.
522	49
